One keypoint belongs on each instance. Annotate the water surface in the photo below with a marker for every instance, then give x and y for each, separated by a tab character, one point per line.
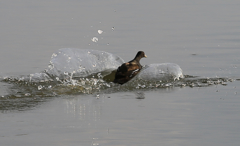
202	37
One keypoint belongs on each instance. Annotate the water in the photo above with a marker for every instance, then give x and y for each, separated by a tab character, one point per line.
202	37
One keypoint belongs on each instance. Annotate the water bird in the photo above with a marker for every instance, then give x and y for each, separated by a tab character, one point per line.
128	70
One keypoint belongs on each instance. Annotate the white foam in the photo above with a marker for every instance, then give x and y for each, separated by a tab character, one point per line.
82	62
162	71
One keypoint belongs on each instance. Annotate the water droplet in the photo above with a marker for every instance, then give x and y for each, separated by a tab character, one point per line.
97	96
50	66
168	84
224	83
54	55
95	39
65	73
27	94
99	75
40	87
183	85
100	31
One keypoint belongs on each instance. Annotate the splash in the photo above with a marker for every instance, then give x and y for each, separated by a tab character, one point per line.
82	71
163	71
81	62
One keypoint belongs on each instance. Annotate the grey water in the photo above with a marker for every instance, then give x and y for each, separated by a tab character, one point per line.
202	37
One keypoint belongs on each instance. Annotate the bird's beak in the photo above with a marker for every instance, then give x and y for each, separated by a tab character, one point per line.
145	56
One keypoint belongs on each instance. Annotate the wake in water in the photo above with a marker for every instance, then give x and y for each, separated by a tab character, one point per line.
82	71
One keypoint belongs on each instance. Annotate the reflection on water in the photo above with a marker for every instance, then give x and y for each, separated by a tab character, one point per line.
140	95
163	116
195	111
84	108
26	95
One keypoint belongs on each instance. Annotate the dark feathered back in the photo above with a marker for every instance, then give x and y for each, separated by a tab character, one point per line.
128	70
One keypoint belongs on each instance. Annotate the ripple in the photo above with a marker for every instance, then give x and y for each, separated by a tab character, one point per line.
25	95
74	71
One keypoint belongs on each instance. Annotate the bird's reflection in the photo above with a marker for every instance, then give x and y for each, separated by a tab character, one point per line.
140	95
84	109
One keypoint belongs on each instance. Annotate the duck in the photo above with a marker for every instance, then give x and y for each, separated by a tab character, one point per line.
128	70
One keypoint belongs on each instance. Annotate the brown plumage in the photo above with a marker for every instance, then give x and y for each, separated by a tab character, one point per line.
128	70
